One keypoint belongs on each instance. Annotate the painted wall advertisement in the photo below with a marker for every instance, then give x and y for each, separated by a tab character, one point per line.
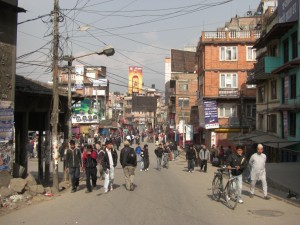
135	80
83	112
6	134
211	114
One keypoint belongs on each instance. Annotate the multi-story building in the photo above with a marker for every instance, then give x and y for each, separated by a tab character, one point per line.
226	103
182	90
91	83
146	118
276	75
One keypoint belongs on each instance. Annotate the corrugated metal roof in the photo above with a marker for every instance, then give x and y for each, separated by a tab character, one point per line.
27	85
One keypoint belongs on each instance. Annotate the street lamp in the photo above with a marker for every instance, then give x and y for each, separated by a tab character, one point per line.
108	51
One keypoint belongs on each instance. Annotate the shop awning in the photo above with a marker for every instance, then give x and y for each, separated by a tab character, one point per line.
273	141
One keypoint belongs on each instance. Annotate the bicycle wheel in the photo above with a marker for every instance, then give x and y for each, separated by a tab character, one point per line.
231	193
216	188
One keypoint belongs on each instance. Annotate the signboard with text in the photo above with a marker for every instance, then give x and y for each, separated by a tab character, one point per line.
211	114
288	10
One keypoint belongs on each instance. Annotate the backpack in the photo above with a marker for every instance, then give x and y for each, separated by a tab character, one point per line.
131	157
138	150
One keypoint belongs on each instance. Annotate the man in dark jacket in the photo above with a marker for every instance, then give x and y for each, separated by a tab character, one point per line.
237	163
159	152
73	164
128	161
109	163
146	157
191	155
89	159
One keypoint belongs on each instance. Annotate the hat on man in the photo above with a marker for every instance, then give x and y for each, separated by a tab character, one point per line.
108	141
126	143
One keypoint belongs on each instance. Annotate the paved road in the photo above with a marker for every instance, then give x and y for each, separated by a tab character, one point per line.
170	196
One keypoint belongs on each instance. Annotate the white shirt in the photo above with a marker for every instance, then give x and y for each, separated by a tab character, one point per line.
258	166
111	162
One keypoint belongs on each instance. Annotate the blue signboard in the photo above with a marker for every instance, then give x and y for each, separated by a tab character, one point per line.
211	114
288	10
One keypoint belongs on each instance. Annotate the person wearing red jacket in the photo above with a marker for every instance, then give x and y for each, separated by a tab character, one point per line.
89	159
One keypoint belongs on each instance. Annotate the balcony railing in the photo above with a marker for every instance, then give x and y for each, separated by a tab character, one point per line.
228	92
226	35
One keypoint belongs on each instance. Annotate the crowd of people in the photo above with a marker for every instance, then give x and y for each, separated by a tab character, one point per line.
103	156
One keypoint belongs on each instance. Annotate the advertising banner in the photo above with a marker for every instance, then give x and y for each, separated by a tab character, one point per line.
211	114
189	132
83	112
135	80
6	134
79	72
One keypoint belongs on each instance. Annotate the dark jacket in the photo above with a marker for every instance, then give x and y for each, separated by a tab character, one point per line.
191	154
105	162
158	152
146	153
90	161
128	157
73	158
235	160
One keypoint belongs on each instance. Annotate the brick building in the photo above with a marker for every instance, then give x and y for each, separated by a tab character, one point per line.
226	104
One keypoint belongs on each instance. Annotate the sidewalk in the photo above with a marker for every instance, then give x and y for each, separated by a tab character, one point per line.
284	177
281	178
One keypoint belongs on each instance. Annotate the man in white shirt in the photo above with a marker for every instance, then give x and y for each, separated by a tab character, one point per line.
109	163
257	164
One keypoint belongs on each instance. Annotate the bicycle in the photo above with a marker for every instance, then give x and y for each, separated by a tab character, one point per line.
229	193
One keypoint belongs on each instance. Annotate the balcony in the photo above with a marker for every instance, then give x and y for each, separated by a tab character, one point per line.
228	92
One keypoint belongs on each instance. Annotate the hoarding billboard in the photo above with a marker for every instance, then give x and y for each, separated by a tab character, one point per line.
83	112
288	10
135	80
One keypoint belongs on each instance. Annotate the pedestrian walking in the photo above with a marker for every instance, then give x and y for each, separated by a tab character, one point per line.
73	164
89	160
138	151
100	154
257	164
166	153
128	161
109	163
191	155
237	163
158	152
204	156
146	157
175	150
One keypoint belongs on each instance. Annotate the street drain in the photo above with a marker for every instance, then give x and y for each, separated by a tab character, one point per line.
268	213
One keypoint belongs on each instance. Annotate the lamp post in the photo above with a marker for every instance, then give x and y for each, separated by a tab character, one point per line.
108	51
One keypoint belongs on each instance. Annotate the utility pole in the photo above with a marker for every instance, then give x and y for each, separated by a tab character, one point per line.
55	110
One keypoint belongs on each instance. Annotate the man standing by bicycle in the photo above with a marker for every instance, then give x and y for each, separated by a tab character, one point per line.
237	163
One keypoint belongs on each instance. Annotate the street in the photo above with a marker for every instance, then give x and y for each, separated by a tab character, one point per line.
170	196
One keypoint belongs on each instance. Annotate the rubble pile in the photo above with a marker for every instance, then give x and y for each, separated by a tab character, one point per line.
17	191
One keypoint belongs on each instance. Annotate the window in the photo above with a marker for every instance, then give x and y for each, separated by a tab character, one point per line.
250	110
286	51
227	110
292	86
251	53
292	125
272	123
183	102
261	94
228	80
228	53
294	46
183	87
260	121
274	89
272	50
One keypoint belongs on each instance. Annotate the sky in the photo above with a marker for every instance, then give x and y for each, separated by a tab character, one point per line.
142	32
